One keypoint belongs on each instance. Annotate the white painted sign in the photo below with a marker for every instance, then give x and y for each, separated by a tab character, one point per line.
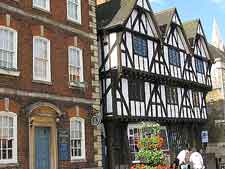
205	137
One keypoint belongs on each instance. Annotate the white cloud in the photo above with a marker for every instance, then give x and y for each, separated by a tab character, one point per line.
218	1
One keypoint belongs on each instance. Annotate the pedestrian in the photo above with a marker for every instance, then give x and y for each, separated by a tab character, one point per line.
175	164
183	158
196	160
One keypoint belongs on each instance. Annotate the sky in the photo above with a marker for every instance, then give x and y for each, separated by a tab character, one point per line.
206	10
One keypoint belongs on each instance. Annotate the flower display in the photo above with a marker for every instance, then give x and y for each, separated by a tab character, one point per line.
150	145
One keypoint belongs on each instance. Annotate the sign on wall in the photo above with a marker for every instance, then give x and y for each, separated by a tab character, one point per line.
64	144
205	137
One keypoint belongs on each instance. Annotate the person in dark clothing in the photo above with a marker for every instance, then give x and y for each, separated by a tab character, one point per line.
175	164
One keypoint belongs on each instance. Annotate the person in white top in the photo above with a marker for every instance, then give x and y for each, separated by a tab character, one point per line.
181	156
197	160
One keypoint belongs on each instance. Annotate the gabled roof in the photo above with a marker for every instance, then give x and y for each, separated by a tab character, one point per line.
114	13
191	28
164	18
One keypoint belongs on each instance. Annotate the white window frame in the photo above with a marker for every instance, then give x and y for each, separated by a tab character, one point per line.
41	7
81	64
83	149
15	36
14	144
78	20
48	69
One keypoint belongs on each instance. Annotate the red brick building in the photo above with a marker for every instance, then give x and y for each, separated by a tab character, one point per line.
49	88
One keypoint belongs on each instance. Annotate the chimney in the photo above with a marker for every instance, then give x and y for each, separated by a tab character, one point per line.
101	1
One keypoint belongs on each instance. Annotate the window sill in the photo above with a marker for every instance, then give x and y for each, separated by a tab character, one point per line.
78	160
42	82
9	72
42	9
5	165
77	84
74	21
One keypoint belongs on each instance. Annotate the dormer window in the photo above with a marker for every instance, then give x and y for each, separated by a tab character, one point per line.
174	56
140	46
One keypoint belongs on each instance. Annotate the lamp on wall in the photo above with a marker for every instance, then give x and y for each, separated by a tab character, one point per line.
60	117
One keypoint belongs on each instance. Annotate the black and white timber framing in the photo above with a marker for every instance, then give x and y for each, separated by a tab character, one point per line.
144	82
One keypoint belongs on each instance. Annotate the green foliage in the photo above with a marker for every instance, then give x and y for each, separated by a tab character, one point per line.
150	157
150	128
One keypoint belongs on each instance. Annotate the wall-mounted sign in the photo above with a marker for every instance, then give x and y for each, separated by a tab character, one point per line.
64	144
205	137
96	119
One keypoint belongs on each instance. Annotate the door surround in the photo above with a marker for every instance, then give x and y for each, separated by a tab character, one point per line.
43	116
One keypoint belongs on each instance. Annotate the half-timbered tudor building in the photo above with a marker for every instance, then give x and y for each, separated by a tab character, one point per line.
47	96
150	71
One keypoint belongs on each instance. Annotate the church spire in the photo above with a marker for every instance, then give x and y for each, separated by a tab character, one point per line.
217	40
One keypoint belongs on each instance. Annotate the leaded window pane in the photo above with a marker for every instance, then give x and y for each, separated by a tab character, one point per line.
199	64
140	46
172	95
174	56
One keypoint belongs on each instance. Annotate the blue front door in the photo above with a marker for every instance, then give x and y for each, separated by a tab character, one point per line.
42	148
